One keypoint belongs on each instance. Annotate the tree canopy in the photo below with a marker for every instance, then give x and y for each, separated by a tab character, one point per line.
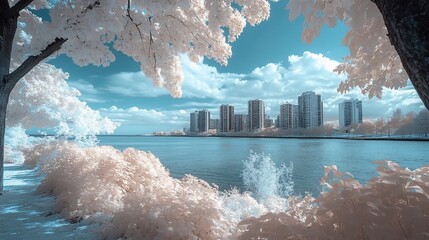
387	41
153	33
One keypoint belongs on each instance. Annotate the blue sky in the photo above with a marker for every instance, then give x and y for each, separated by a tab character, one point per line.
269	61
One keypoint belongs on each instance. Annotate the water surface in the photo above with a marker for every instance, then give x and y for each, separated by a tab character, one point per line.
220	160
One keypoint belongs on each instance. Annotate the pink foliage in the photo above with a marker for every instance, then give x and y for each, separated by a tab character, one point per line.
61	110
373	62
394	205
140	200
131	186
153	33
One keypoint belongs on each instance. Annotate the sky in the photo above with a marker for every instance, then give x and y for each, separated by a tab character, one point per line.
269	62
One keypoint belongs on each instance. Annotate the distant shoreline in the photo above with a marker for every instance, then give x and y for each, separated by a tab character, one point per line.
383	138
395	138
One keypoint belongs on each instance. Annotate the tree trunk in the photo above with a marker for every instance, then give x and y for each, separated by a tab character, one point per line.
7	33
4	98
407	22
8	80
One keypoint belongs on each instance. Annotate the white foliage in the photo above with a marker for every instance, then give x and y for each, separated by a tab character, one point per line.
133	187
137	195
44	100
373	62
139	200
153	33
15	142
393	205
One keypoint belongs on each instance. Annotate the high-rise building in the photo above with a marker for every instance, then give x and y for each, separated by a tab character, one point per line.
193	122
240	122
214	124
277	124
226	113
256	114
295	118
350	112
268	122
288	118
203	120
310	110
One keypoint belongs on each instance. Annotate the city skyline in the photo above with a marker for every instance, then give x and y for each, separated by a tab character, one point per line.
350	115
308	113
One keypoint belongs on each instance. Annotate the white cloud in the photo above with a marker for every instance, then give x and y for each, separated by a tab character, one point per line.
135	120
275	83
88	92
84	86
133	84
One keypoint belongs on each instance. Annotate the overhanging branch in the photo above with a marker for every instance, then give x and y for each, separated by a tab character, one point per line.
132	20
32	61
18	7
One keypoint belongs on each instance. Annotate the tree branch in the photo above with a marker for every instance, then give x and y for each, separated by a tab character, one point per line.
18	7
132	20
32	61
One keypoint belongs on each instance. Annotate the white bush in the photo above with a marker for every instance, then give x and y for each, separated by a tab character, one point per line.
139	200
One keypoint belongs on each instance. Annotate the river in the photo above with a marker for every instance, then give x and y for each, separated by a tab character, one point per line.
219	160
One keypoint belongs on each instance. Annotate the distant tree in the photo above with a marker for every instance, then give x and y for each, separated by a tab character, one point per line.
351	128
407	125
405	129
153	33
380	126
387	40
288	131
414	124
409	116
328	129
365	128
324	130
422	122
396	120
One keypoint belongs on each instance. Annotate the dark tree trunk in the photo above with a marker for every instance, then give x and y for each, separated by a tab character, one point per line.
407	22
4	98
7	33
8	80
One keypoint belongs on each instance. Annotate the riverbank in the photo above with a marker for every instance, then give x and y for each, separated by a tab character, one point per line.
25	214
376	138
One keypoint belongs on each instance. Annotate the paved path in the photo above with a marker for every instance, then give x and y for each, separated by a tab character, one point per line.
24	214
